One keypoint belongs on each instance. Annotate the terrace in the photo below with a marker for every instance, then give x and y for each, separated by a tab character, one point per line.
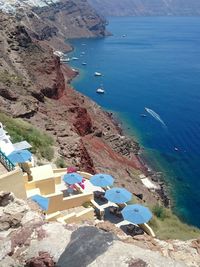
59	200
64	204
67	205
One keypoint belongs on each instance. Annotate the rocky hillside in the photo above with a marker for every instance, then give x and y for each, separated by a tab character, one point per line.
56	20
34	85
147	8
66	19
27	240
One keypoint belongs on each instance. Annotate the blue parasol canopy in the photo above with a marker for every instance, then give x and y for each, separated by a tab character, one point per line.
137	214
43	202
19	156
102	180
118	195
72	178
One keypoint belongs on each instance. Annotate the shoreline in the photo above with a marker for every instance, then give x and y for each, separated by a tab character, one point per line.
151	179
151	174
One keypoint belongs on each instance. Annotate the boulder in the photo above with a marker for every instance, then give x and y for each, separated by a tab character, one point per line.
5	248
43	260
5	198
8	94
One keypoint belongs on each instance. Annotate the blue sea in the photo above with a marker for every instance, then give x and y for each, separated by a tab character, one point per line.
154	63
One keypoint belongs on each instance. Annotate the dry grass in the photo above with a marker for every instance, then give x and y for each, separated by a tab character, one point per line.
166	225
20	130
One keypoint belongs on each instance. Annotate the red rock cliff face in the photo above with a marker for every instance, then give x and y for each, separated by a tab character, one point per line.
63	20
82	121
92	142
34	85
29	71
49	77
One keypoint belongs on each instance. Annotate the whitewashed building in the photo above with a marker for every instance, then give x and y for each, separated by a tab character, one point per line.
6	145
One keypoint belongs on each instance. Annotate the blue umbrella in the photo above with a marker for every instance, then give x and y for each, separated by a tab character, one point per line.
118	195
19	156
72	178
43	202
102	180
137	214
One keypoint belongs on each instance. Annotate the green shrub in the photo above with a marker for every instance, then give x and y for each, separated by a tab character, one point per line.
20	130
9	79
60	163
167	225
47	152
160	212
154	223
86	204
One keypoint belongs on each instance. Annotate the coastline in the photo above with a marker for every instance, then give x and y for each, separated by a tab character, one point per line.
75	124
151	176
150	173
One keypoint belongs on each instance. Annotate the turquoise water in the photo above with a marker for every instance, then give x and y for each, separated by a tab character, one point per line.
156	65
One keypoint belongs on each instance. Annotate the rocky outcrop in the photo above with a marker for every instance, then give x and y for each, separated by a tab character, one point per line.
33	242
147	8
11	211
85	136
29	71
73	18
56	21
43	260
82	120
8	94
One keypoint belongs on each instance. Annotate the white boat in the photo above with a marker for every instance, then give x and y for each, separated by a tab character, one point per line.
75	70
74	58
58	53
84	63
100	90
65	59
97	74
143	115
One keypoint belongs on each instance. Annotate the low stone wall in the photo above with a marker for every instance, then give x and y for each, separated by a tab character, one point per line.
85	175
13	181
58	203
46	186
87	214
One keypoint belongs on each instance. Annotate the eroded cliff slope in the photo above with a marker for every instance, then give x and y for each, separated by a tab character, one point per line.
56	20
34	85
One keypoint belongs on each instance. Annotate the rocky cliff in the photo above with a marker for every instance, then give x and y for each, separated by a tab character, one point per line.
56	20
147	8
34	85
27	240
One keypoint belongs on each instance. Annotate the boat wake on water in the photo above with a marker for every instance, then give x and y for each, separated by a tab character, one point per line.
155	116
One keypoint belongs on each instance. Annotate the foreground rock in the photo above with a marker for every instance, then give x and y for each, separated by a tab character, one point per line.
43	260
32	242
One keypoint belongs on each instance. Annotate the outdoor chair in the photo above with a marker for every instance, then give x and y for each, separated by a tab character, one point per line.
82	185
115	211
100	195
134	230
